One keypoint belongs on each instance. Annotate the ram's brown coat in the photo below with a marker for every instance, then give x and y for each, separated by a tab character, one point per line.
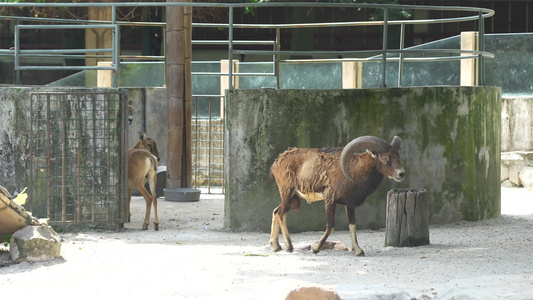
316	174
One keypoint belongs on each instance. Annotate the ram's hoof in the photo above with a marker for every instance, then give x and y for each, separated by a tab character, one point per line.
275	246
360	253
145	226
156	226
316	248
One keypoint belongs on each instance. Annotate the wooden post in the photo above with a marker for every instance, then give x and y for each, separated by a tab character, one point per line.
469	66
97	38
104	78
407	222
179	95
224	81
352	75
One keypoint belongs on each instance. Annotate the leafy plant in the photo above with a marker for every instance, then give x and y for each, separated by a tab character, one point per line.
7	238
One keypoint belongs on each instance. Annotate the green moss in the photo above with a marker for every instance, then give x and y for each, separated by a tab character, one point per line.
443	129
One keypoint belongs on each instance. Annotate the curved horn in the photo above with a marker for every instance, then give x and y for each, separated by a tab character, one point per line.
396	142
363	142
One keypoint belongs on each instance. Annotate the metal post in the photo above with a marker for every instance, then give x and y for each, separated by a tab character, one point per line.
115	38
17	49
277	47
400	62
230	49
384	71
481	47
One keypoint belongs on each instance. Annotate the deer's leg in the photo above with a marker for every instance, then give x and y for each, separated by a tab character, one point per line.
330	227
128	202
148	199
350	213
152	182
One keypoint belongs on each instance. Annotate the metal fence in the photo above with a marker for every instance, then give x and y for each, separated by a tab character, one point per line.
208	132
383	55
77	157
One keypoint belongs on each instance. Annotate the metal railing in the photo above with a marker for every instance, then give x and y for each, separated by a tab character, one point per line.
208	134
475	14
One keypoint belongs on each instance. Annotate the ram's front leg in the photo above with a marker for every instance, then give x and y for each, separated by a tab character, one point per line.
350	213
330	227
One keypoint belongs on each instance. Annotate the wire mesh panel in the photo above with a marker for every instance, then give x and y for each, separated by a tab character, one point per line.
77	156
208	144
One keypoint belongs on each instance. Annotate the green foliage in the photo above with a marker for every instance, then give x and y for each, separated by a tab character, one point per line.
7	238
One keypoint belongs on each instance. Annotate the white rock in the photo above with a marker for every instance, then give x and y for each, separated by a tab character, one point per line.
35	243
526	177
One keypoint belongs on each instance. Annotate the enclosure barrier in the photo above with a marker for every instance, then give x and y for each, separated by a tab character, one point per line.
474	14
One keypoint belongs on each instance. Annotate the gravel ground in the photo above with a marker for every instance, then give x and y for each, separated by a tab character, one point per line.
193	257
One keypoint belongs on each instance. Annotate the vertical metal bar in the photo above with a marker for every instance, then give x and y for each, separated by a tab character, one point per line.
123	157
197	151
94	170
384	71
277	47
17	56
79	161
63	162
110	135
116	45
48	160
400	62
31	192
209	152
230	49
223	155
481	47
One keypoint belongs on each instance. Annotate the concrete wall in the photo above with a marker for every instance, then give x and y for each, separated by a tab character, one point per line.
451	147
150	116
14	138
517	142
517	124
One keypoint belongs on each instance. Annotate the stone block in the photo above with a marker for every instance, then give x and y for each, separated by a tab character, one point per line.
35	243
514	171
504	172
526	177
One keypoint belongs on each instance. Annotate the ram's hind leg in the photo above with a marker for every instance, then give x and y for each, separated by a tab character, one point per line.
274	230
350	213
330	215
279	218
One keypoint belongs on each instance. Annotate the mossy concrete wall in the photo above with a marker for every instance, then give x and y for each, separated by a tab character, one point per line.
451	148
15	127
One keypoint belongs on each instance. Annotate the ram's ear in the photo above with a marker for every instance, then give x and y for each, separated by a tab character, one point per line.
372	154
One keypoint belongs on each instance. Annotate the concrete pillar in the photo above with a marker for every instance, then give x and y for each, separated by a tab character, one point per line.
469	67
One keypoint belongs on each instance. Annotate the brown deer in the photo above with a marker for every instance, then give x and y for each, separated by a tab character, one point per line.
142	167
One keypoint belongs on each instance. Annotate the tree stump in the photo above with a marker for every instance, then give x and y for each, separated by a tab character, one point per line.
407	222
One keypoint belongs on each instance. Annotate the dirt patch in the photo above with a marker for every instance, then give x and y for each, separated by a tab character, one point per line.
193	257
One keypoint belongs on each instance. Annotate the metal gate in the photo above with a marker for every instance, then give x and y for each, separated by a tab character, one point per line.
208	132
77	156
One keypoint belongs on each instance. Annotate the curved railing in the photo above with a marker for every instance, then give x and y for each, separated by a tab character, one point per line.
383	55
